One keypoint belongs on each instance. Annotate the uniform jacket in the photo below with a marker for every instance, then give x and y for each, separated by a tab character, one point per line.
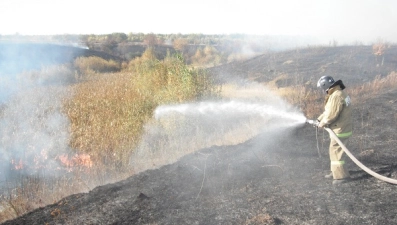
338	112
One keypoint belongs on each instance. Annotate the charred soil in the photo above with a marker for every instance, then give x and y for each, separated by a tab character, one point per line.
266	180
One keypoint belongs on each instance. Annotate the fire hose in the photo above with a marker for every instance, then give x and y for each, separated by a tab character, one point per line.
354	159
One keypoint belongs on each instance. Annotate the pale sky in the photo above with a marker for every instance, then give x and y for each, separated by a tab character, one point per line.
345	20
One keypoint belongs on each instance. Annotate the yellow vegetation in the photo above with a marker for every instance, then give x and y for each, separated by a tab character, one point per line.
108	112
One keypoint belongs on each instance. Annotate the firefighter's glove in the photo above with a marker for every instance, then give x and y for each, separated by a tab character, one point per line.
321	125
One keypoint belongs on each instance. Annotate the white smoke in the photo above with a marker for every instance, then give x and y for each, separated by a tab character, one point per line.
33	127
33	131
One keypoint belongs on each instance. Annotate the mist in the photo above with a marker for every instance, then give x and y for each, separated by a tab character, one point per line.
180	129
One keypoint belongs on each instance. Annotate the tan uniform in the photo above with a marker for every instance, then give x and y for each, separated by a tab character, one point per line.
338	117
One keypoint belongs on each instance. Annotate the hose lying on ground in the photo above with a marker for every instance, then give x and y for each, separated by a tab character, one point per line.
366	169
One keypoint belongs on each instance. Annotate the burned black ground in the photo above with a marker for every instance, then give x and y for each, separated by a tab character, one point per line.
19	57
266	180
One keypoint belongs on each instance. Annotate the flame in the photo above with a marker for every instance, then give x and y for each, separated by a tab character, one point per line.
69	163
18	165
78	160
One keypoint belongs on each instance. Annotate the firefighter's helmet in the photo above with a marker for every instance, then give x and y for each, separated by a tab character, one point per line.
325	82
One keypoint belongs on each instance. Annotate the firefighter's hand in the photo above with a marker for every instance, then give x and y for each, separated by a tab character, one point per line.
321	125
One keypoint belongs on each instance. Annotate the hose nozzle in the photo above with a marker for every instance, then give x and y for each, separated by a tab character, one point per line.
313	122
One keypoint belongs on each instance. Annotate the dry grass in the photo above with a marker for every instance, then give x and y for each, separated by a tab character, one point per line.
374	87
94	64
108	113
261	219
106	116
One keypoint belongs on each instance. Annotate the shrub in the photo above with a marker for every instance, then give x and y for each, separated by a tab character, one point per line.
94	64
180	44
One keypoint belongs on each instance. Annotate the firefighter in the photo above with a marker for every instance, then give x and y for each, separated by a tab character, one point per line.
338	117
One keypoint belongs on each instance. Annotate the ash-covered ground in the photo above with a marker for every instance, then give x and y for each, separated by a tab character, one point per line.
266	180
275	178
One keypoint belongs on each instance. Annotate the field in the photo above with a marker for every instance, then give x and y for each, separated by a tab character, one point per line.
258	172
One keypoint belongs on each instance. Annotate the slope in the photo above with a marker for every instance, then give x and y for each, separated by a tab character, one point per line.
274	178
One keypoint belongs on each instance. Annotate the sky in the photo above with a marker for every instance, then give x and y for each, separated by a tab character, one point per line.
344	20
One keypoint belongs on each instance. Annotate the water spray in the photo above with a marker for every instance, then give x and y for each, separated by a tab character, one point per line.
181	129
313	122
234	109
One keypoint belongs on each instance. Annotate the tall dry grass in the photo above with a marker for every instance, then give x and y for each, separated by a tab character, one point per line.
94	64
374	87
108	112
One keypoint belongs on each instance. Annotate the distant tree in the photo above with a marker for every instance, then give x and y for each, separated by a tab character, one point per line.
333	43
88	41
199	53
160	41
150	40
107	44
379	50
195	39
209	50
199	56
180	44
136	37
119	37
149	54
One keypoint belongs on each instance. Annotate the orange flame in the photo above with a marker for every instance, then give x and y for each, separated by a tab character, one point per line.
78	160
18	165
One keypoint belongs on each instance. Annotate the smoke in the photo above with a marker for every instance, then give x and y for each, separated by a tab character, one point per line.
7	87
33	127
177	130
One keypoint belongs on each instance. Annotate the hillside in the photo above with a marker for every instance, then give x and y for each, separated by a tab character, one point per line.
276	177
353	64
